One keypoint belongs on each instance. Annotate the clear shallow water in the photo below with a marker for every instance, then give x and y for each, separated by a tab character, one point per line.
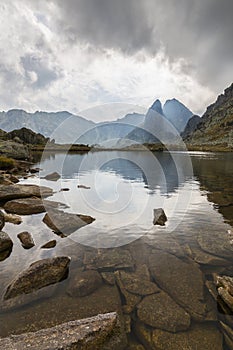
195	190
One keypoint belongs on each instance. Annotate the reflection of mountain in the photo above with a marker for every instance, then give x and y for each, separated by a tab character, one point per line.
160	171
215	176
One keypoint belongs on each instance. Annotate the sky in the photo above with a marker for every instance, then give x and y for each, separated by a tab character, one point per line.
78	54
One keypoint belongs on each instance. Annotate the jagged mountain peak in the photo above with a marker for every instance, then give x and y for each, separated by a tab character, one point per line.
157	106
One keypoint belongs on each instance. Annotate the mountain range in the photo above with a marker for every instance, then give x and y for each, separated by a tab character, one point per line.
65	127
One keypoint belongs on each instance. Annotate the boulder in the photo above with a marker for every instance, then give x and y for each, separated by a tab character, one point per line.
199	337
53	176
5	242
225	290
183	281
23	191
160	311
13	219
28	206
14	150
2	220
5	254
84	283
26	239
109	260
49	245
39	274
4	180
159	217
102	332
65	223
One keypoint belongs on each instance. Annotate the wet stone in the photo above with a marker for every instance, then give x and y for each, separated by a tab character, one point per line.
53	176
26	239
5	242
108	278
2	220
159	217
49	245
84	283
216	243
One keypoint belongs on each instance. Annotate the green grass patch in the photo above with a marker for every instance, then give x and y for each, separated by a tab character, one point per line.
6	163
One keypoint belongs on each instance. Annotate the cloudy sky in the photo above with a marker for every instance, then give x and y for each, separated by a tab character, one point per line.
77	54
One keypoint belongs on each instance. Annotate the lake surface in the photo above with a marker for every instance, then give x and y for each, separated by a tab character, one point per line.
195	190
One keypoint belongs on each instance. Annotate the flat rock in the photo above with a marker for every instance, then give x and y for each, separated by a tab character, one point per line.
183	281
23	191
204	258
84	283
39	274
164	242
216	243
159	217
136	284
199	337
65	223
26	239
5	242
53	176
2	220
109	260
50	244
28	206
102	332
160	311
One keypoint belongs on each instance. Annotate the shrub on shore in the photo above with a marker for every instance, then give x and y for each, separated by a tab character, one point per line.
6	163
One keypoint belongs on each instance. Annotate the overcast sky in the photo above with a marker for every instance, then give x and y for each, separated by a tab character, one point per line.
76	54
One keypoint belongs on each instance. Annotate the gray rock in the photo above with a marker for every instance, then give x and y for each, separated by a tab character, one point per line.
160	311
65	223
5	242
53	176
199	337
28	206
26	239
39	274
84	283
49	245
14	150
109	260
183	281
102	332
23	191
159	217
2	220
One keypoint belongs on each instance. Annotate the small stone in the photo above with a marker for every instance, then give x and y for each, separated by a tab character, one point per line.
13	218
50	244
159	217
83	186
26	239
53	176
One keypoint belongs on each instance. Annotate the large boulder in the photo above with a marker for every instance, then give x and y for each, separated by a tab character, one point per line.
102	332
14	149
39	274
160	311
65	223
23	191
5	242
28	206
53	176
183	281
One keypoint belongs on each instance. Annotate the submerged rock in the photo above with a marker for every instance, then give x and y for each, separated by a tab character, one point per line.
228	334
2	220
199	337
102	332
216	243
225	290
28	206
5	242
49	245
84	283
159	217
109	260
65	223
160	311
39	274
53	176
23	191
183	281
26	239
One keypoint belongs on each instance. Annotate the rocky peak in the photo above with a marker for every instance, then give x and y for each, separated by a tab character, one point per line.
157	107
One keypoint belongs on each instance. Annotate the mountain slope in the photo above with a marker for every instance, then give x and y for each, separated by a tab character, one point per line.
191	126
216	126
177	113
